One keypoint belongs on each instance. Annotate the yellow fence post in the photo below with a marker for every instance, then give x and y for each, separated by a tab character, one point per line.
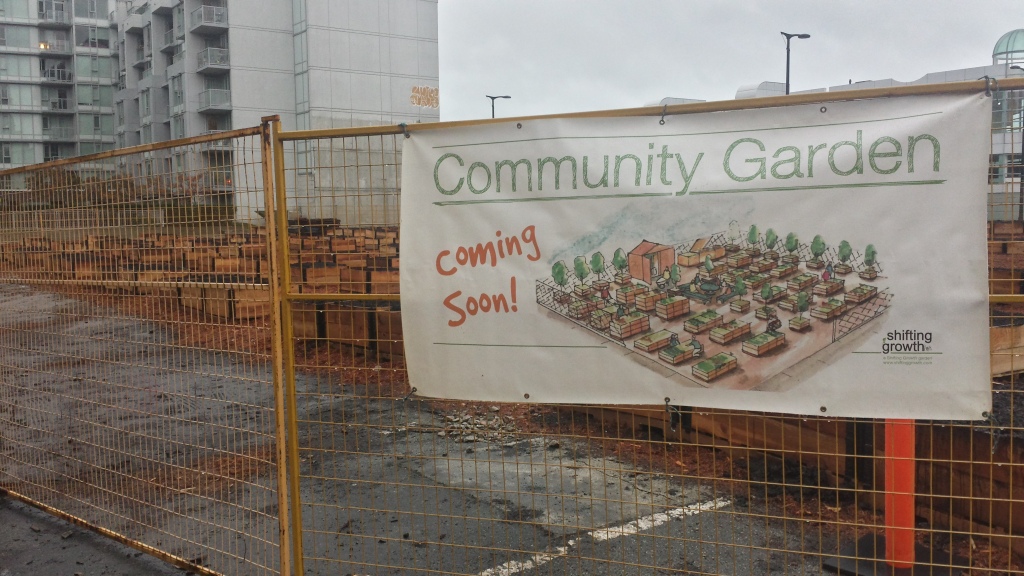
269	200
289	348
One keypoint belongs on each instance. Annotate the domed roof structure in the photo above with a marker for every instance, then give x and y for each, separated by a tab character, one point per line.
1010	48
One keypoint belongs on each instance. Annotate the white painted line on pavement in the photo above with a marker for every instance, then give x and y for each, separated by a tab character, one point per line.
639	525
654	520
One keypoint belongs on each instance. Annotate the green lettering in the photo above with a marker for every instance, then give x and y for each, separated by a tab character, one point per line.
437	180
469	177
811	151
912	141
558	170
728	157
896	152
514	169
795	161
604	177
618	164
858	164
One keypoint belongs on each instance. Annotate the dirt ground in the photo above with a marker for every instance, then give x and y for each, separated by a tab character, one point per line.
169	425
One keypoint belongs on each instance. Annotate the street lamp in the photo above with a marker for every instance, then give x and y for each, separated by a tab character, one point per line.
788	38
1020	165
493	98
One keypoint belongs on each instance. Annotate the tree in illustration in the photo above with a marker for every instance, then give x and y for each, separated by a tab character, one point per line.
752	236
770	240
597	264
739	288
560	274
845	253
818	248
803	302
581	268
619	260
792	243
674	275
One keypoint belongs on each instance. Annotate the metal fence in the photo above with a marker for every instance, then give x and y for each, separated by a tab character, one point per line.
201	354
136	377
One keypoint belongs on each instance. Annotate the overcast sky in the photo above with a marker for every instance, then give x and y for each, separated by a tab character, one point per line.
557	56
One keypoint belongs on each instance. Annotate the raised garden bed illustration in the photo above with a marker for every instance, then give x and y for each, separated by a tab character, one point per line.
711	368
802	281
842	268
740	260
602	319
648	300
627	294
868	274
582	291
703	322
828	288
672	307
740	306
861	293
789	303
654	341
790	259
764	343
630	325
729	332
689	259
829	310
763	266
777	293
582	308
784	271
764	312
678	354
799	323
755	281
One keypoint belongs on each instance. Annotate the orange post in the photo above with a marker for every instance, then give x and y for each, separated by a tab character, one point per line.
899	493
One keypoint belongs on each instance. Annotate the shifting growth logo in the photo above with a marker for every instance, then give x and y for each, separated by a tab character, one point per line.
906	341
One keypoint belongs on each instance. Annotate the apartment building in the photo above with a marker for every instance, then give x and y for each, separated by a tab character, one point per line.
191	67
57	80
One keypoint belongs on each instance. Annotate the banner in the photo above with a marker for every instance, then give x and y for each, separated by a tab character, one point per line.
823	259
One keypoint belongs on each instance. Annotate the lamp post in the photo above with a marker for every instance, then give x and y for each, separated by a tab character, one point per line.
1020	159
788	38
493	98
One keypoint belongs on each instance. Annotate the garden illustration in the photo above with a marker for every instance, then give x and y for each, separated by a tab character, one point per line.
729	310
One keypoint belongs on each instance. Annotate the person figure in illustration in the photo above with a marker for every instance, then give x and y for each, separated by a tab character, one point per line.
829	273
674	340
620	311
698	348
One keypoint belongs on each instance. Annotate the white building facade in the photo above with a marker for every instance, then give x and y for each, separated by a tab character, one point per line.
57	80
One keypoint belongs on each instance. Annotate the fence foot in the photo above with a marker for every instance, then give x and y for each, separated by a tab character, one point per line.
866	557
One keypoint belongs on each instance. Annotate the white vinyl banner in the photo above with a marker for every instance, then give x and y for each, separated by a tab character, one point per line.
827	259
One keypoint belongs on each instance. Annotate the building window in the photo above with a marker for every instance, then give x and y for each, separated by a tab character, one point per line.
5	153
3	35
5	95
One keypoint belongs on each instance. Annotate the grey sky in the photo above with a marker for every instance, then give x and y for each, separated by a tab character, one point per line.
564	56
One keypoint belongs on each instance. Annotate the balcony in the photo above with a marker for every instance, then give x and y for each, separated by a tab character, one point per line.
209	20
216	145
213	61
141	58
215	100
56	76
163	7
55	47
135	23
61	133
217	178
54	18
171	42
57	106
